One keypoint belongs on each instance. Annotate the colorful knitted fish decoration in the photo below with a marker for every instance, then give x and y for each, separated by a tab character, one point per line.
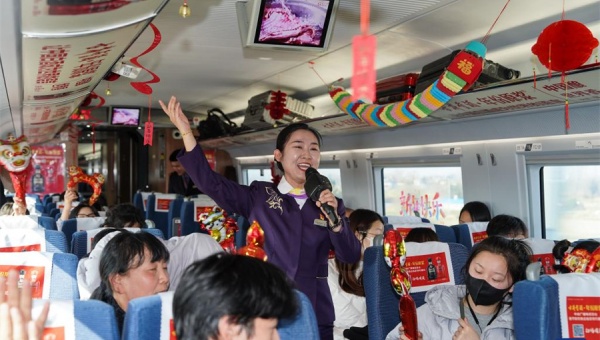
461	74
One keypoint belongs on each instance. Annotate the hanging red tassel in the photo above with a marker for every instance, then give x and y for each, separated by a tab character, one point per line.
93	138
567	121
534	79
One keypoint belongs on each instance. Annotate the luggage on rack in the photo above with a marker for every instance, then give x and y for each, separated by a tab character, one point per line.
492	72
395	89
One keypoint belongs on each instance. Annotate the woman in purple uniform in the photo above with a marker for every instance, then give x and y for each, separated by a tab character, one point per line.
298	235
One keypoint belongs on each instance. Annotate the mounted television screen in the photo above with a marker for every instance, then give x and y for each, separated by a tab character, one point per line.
127	116
291	24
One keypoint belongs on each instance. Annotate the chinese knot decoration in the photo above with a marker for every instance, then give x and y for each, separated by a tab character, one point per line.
277	105
15	156
220	227
255	240
96	180
394	251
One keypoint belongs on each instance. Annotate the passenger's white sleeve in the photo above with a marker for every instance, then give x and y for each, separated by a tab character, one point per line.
394	334
88	269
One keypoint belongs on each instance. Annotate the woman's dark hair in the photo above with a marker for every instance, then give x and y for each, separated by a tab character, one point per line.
173	155
516	253
284	136
360	222
421	235
75	211
124	215
240	287
123	252
507	226
478	210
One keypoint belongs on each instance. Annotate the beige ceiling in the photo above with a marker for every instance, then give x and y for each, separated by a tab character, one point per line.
201	59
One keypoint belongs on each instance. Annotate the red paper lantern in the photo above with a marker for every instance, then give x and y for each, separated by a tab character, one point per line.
564	45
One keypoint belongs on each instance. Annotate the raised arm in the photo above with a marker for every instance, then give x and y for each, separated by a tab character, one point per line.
177	117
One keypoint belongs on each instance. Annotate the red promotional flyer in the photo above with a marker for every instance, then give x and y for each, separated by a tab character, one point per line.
18	249
429	269
34	274
583	317
48	170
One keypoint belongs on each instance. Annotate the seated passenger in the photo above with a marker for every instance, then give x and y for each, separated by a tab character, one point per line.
474	212
132	265
507	226
232	297
11	209
124	215
346	280
421	235
82	210
183	251
481	309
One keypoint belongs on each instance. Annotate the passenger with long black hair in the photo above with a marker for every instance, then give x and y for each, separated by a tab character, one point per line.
346	279
298	236
482	308
132	265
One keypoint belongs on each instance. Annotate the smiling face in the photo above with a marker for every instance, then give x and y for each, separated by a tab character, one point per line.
300	152
492	268
147	279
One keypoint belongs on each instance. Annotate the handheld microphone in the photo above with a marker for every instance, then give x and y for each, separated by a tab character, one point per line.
314	185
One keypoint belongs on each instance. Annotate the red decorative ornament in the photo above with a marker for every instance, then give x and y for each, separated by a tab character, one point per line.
111	76
277	105
96	180
15	156
255	240
220	227
564	45
394	251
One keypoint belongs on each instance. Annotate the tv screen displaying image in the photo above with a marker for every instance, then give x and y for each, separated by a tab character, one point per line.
294	22
125	116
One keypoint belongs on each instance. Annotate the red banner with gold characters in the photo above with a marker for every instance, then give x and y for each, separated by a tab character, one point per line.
48	170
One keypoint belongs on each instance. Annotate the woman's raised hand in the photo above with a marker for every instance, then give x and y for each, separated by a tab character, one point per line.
176	115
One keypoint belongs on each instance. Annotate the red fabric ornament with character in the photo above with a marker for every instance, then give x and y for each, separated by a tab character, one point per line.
15	156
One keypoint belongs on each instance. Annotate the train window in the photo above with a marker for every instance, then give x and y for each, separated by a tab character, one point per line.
434	193
251	175
570	198
264	174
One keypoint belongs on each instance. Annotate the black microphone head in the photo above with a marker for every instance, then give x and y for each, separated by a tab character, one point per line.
312	186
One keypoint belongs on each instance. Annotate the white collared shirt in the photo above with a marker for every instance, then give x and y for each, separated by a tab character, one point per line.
284	187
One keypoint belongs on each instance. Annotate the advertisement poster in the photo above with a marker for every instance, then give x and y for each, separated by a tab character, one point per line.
405	229
583	317
18	249
35	275
427	270
478	236
547	261
162	204
48	163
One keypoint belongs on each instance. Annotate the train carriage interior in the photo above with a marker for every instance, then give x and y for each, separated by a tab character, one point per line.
81	80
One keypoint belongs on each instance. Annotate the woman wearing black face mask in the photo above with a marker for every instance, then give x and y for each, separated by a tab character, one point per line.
482	308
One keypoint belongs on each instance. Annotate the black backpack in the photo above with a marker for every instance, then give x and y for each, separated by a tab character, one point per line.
214	126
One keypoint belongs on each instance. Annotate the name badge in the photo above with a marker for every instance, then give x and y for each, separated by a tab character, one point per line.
320	222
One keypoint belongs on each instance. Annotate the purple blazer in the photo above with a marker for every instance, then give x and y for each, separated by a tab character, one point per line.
292	240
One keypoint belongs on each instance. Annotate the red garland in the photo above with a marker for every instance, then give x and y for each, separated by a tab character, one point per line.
277	105
142	86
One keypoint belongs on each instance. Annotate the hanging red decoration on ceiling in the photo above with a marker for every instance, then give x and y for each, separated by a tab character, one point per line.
142	86
111	76
564	45
277	105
